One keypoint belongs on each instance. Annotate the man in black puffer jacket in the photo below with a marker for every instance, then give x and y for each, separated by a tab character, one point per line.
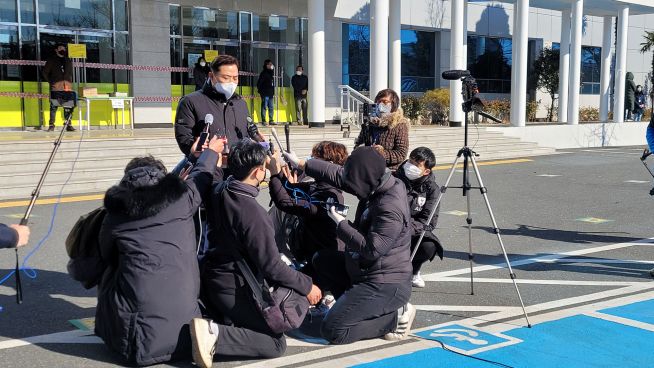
374	288
422	191
218	97
149	291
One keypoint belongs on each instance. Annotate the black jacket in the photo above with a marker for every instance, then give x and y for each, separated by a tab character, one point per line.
266	83
422	195
300	83
57	69
200	75
377	243
318	230
229	117
149	292
239	226
8	237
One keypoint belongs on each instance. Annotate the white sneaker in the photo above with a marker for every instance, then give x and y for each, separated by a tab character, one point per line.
203	341
404	322
417	281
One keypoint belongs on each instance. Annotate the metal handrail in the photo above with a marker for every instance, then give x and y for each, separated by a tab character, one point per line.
351	103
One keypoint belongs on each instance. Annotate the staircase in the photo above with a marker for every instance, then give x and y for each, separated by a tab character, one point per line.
104	154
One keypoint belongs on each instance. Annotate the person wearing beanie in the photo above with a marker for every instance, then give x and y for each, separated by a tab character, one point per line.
372	278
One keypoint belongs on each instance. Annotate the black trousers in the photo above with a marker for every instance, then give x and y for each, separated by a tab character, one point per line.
53	113
365	310
426	252
242	330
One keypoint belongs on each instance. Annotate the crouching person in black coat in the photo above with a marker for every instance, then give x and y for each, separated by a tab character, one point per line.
372	280
240	227
422	191
149	291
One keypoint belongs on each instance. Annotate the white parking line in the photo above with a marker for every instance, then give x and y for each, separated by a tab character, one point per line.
534	282
622	321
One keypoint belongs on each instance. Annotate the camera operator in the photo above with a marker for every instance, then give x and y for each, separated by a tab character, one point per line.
240	227
389	129
14	236
308	201
422	191
218	97
372	278
149	291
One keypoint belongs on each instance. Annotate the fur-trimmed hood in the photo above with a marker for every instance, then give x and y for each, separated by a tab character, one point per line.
393	119
144	201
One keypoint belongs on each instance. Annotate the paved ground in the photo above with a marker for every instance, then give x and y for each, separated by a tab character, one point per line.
575	226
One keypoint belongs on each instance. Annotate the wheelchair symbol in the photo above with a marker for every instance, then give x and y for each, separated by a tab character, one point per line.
460	334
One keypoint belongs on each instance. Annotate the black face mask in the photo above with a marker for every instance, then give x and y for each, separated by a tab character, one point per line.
62	53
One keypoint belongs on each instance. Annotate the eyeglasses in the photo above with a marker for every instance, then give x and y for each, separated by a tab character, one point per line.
225	77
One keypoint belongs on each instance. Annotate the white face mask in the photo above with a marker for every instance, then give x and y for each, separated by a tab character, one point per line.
412	171
271	67
384	108
226	89
299	72
202	63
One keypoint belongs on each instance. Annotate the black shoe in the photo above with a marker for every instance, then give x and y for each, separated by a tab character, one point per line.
651	192
264	123
273	123
70	128
51	128
646	154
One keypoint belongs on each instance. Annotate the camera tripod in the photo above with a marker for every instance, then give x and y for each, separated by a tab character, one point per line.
472	102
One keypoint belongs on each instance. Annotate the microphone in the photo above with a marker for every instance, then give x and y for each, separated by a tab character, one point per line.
287	131
455	74
253	131
208	120
274	134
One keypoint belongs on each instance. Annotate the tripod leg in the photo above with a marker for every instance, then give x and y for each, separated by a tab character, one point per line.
438	202
496	230
647	167
470	254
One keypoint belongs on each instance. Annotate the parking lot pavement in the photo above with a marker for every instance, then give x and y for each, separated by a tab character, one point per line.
576	227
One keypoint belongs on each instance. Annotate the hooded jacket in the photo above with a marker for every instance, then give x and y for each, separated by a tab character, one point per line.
230	117
58	71
266	83
630	92
392	133
318	231
8	237
240	227
149	291
422	195
377	243
200	75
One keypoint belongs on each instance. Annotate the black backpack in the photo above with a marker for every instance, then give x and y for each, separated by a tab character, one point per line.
83	248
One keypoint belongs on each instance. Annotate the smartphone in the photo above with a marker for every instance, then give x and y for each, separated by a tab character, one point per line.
203	138
341	209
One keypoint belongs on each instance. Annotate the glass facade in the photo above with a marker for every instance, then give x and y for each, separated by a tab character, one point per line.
418	58
29	30
489	61
591	66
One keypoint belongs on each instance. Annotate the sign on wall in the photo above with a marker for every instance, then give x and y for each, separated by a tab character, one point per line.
77	51
210	55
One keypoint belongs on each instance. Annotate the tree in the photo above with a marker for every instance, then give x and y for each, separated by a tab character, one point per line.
546	75
647	46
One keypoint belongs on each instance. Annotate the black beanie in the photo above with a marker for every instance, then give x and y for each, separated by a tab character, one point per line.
363	171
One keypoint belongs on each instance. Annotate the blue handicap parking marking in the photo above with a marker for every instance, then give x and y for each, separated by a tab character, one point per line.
641	312
466	339
573	342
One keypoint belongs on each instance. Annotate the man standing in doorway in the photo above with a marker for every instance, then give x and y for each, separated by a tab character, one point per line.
266	89
300	84
58	71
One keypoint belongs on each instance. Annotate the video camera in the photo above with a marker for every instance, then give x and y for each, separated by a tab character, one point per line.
368	111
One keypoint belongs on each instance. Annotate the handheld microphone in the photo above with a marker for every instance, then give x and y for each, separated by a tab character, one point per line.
455	74
287	131
273	132
208	120
253	131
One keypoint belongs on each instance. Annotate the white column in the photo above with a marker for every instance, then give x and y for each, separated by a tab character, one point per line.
564	66
575	61
395	29
520	47
378	46
621	65
316	63
605	78
456	60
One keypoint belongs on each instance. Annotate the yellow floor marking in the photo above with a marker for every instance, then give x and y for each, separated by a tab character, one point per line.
83	198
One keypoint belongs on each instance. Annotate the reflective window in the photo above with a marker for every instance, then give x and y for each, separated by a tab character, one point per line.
489	61
76	13
175	20
245	27
591	62
121	56
276	28
418	55
212	23
27	13
28	49
9	50
8	11
121	7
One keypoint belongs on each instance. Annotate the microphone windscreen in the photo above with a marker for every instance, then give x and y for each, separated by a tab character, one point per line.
455	74
208	119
